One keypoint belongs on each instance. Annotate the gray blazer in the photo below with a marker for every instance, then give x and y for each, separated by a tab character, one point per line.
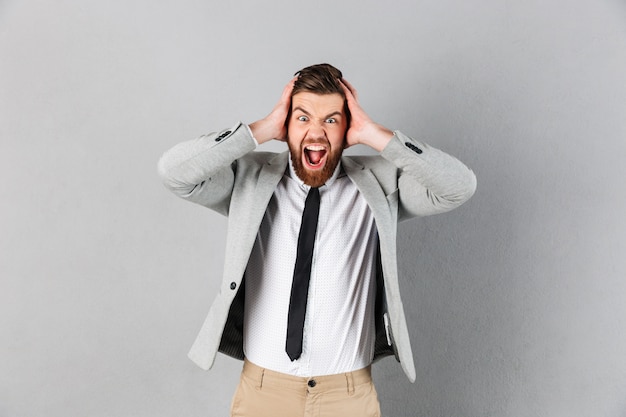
221	172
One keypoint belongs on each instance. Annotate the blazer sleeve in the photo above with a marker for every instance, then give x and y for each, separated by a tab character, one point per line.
203	170
429	180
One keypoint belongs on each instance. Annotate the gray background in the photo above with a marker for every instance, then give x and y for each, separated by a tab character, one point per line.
515	301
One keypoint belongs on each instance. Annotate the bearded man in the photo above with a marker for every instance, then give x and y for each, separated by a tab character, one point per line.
310	295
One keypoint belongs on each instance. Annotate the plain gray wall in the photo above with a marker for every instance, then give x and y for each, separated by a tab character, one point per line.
515	301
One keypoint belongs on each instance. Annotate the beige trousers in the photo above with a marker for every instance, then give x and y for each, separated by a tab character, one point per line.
265	393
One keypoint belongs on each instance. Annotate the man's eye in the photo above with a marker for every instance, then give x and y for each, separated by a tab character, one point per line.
331	120
303	118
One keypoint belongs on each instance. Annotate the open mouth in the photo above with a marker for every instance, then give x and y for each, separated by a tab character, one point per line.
315	156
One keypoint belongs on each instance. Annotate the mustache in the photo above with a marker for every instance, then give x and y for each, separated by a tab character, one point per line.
307	142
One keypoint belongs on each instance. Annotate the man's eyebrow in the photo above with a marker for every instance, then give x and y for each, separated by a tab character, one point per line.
335	113
302	110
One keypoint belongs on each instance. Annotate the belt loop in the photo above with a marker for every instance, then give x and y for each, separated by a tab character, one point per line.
261	379
350	383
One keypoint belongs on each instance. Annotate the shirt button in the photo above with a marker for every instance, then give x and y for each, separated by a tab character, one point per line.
312	383
233	285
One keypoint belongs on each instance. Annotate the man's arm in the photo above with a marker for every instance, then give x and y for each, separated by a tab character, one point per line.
429	180
203	170
362	129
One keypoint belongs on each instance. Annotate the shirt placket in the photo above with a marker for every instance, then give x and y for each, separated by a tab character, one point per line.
311	326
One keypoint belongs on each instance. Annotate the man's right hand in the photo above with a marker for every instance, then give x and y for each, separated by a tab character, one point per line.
274	125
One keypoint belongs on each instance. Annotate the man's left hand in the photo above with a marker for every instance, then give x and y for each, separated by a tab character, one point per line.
362	129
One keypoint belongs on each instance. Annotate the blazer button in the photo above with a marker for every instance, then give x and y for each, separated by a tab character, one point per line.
413	147
233	285
223	135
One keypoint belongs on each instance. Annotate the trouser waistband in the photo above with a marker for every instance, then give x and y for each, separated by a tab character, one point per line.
266	377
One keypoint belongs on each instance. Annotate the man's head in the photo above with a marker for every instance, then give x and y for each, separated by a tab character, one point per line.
317	123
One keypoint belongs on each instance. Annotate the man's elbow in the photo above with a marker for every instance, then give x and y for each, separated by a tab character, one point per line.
465	191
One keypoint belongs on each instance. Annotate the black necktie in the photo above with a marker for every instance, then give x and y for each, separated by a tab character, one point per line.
302	274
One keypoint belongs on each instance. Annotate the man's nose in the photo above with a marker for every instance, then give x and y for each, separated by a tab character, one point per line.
317	131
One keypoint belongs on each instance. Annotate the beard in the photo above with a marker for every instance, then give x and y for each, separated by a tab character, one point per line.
314	178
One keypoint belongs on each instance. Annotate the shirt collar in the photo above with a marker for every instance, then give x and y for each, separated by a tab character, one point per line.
292	174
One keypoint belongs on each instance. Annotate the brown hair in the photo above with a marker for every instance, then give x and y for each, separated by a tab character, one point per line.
320	79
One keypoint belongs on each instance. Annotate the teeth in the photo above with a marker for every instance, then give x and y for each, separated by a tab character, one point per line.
315	148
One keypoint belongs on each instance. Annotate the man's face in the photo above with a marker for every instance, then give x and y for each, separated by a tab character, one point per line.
316	135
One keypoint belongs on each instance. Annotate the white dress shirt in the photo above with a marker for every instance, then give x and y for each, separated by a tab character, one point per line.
339	329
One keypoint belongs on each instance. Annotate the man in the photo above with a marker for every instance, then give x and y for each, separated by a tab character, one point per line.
310	296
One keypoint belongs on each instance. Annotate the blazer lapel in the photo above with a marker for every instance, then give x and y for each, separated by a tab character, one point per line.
245	223
367	184
271	173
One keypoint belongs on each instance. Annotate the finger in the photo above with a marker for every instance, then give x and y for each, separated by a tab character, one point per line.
285	98
289	88
350	87
345	88
351	99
